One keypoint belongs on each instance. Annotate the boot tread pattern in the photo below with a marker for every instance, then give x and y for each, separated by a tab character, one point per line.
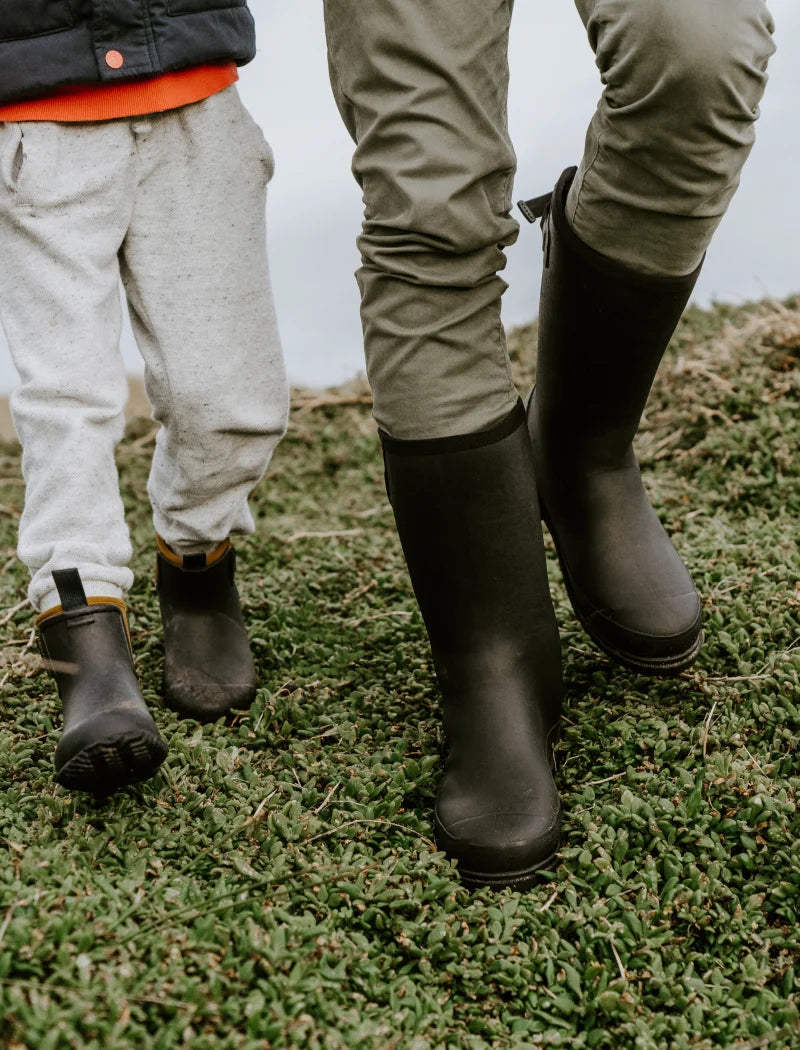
106	766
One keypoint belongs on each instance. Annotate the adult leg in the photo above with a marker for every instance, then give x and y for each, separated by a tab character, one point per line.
422	89
624	239
194	266
673	128
64	206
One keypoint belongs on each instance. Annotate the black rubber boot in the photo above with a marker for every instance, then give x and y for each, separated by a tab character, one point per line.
603	330
208	665
468	520
109	739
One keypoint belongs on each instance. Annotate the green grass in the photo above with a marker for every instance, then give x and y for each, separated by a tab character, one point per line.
276	885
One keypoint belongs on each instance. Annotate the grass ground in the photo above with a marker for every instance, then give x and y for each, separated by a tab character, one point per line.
276	885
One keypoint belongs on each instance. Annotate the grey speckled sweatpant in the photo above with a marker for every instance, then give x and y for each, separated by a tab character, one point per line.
175	204
422	89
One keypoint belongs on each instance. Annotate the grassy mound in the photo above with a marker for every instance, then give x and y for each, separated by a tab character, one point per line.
276	885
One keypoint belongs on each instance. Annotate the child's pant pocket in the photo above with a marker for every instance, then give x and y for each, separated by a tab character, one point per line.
261	147
12	155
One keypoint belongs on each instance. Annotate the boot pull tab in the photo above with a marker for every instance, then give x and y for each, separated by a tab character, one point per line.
70	589
539	208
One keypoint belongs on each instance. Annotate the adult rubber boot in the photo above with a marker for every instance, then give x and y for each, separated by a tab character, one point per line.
110	739
603	330
208	665
469	524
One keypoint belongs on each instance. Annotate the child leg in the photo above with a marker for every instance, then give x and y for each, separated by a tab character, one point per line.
63	214
194	266
64	207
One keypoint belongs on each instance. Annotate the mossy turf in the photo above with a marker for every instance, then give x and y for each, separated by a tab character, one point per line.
276	885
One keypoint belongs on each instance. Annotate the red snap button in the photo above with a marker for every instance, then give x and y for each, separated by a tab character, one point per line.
114	60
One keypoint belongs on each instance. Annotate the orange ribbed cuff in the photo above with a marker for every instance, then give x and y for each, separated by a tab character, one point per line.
125	98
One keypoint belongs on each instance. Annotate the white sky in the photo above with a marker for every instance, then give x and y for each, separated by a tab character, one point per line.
314	205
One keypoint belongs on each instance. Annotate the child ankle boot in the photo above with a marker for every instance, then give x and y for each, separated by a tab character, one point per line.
110	739
208	665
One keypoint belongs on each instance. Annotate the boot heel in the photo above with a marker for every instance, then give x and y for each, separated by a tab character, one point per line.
109	752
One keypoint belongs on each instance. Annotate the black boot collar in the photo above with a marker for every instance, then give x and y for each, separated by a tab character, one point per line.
458	442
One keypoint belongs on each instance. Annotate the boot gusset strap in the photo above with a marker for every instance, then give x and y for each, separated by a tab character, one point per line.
551	209
540	208
536	208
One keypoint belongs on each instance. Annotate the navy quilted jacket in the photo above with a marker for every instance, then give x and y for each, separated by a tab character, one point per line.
49	44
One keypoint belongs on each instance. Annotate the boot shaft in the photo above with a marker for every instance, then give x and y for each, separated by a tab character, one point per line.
468	519
85	644
603	330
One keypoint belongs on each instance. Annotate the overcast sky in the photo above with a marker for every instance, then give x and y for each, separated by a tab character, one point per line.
314	205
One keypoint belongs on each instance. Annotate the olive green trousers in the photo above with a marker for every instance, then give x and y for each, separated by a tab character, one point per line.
422	88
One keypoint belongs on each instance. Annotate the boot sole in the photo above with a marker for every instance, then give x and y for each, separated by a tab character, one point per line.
512	880
106	766
184	702
666	667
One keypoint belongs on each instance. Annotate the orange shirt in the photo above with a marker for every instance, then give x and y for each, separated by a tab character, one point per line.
130	98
